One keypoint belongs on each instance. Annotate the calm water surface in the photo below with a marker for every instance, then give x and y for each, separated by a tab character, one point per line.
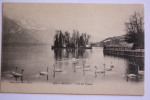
36	59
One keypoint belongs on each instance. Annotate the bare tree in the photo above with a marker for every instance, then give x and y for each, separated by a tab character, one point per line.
135	31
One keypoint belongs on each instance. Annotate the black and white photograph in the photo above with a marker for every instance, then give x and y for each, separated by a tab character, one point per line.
73	48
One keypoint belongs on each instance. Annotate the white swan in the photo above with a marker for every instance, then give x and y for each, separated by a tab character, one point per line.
74	60
131	76
140	72
85	65
44	73
99	71
17	75
87	69
57	69
14	72
77	66
108	69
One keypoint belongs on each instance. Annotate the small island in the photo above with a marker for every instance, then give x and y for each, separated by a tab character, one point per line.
74	40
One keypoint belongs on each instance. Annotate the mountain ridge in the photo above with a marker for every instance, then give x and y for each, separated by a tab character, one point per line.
15	33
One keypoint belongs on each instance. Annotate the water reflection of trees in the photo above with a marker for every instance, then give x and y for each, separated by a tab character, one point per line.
130	59
134	64
59	54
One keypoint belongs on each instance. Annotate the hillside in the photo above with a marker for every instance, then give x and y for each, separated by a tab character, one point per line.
112	41
12	33
16	33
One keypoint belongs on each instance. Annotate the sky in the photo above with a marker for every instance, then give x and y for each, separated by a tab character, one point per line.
99	20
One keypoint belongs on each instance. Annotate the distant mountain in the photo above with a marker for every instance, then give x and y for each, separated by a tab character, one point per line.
13	33
112	41
28	24
23	32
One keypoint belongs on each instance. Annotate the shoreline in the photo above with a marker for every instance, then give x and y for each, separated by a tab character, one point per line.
71	47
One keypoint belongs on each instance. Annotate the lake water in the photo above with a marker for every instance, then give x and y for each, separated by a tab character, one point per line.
69	62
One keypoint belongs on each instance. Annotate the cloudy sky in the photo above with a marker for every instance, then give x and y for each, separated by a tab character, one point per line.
99	20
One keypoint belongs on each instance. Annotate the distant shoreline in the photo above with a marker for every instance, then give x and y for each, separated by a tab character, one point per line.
52	47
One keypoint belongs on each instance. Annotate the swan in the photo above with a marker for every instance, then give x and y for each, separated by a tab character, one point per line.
17	75
57	69
44	73
77	66
111	66
74	60
140	72
108	69
85	65
14	72
134	76
87	69
131	76
99	71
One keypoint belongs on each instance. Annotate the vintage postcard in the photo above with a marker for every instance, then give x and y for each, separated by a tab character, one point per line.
73	48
